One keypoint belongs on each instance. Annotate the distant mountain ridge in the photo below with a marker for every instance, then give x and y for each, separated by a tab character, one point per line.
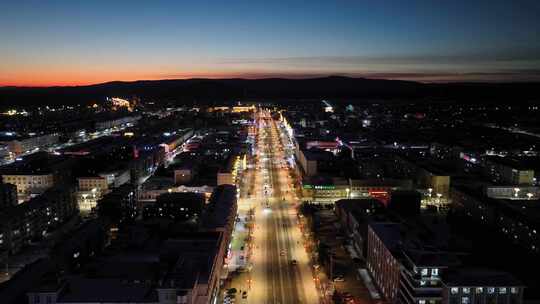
336	87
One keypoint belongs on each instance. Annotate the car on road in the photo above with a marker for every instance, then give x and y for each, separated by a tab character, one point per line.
339	278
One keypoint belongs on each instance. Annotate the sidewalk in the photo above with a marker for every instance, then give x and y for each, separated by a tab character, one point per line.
239	248
239	256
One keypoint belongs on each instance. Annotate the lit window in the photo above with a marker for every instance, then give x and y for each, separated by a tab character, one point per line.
454	290
421	301
424	271
435	272
491	290
465	300
479	289
502	290
514	290
466	290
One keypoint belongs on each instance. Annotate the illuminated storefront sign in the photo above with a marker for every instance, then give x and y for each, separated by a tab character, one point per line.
319	187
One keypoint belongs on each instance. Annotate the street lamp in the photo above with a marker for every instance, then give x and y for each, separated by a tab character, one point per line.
516	192
348	191
430	190
439	198
530	195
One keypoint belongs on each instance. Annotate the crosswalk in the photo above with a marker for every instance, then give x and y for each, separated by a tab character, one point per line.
229	300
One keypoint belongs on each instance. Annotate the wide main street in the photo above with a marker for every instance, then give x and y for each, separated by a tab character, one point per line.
281	271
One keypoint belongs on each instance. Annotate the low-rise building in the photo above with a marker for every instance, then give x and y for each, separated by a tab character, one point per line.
326	190
176	206
513	192
91	189
116	178
184	269
408	271
36	173
157	185
421	273
119	204
28	184
115	123
28	144
311	160
220	214
88	183
508	171
426	175
378	188
8	195
355	215
228	174
517	219
322	190
185	174
32	220
383	241
5	154
481	286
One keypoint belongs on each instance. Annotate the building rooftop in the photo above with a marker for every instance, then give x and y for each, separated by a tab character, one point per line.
511	162
19	136
479	277
424	258
324	181
364	209
14	290
40	163
384	182
128	268
158	183
527	209
317	155
35	203
222	204
102	144
388	233
99	290
194	255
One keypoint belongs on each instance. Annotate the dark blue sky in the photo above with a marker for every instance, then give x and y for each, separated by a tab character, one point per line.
67	42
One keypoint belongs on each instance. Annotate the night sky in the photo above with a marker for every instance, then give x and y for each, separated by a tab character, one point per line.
83	42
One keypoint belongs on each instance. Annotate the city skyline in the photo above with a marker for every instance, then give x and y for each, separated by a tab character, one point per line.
269	152
63	43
